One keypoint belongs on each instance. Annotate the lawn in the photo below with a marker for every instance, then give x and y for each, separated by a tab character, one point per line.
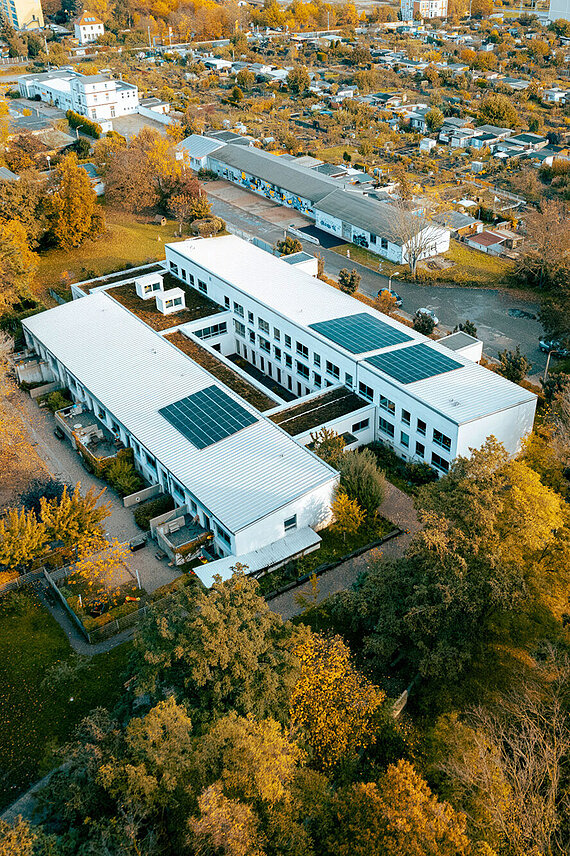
34	719
470	267
129	240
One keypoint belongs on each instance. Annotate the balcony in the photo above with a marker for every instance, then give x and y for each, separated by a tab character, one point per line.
83	429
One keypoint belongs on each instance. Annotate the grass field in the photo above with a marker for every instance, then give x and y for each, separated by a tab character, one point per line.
34	719
471	267
128	241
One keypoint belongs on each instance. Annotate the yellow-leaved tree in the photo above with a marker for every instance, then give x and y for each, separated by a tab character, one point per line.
22	538
74	517
335	706
348	515
72	206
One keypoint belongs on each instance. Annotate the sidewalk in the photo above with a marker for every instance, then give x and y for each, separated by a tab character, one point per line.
397	507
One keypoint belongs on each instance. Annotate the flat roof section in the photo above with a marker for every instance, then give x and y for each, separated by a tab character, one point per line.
317	411
360	333
197	305
417	362
223	372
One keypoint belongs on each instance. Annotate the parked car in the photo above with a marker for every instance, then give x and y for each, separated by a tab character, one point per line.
554	347
394	294
59	433
431	314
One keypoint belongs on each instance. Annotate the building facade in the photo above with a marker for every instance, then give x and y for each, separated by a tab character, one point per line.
96	96
559	9
413	9
431	404
23	14
88	28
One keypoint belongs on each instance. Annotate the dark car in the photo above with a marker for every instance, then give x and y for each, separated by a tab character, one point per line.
59	433
394	294
552	346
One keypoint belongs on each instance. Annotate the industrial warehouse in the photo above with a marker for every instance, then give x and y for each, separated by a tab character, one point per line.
166	382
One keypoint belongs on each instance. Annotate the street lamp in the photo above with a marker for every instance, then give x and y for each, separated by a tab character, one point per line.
48	163
77	127
392	276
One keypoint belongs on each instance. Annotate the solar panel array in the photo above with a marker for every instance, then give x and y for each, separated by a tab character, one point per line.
418	362
360	333
207	416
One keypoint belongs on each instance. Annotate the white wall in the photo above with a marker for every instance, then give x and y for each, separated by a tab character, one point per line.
508	426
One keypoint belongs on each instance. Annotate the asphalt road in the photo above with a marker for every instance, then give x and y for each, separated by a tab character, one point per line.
488	308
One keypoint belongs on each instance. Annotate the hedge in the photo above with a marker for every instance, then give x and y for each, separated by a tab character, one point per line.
76	119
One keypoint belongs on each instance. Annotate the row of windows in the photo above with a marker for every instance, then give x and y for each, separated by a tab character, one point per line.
389	430
213	330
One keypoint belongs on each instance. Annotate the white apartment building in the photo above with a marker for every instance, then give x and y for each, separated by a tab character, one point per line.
431	403
88	28
559	9
22	14
411	9
96	96
239	475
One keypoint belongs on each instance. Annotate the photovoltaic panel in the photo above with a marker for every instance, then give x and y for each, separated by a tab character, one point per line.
417	362
207	416
360	333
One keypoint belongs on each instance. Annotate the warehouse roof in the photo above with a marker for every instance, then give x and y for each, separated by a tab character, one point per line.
135	373
197	146
298	180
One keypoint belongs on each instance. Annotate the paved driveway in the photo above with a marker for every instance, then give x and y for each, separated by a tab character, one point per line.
64	463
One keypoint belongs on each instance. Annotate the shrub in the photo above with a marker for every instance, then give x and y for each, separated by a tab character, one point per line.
122	475
362	479
174	586
423	323
145	513
89	127
58	400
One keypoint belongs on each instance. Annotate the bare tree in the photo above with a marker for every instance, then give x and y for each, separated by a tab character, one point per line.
416	235
508	764
545	258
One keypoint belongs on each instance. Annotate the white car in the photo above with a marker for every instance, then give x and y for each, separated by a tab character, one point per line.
431	314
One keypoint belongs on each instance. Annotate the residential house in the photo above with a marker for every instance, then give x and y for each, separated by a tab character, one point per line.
88	28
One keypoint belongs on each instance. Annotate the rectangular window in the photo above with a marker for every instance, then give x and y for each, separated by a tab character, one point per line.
277	334
404	439
239	328
277	354
174	268
360	426
387	405
149	460
288	361
366	391
214	330
136	448
238	309
264	345
318	380
290	523
303	370
263	325
386	427
439	462
221	533
287	341
422	427
420	449
302	350
348	379
202	286
250	317
183	273
333	370
226	301
317	360
441	440
406	417
191	279
384	243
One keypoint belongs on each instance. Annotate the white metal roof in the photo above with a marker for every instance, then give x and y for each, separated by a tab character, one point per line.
133	371
266	557
462	395
197	146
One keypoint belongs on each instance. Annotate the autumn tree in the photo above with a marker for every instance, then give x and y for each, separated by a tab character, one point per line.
298	80
385	302
329	446
423	323
348	515
22	538
348	280
399	816
514	365
74	516
219	650
287	246
18	264
497	109
333	704
224	826
72	209
434	119
545	257
245	79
